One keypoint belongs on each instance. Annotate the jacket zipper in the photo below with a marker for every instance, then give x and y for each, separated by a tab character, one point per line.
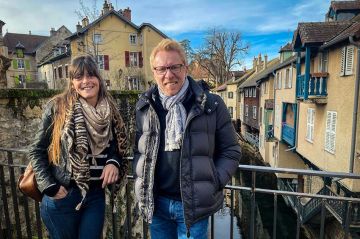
181	193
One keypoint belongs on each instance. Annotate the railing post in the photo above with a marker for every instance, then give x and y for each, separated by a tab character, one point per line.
298	223
231	211
128	211
322	225
113	213
5	203
253	219
275	216
347	220
14	195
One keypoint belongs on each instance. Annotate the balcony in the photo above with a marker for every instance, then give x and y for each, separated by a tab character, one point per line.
19	216
252	139
317	87
288	134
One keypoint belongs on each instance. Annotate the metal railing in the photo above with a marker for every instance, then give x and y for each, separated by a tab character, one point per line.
15	226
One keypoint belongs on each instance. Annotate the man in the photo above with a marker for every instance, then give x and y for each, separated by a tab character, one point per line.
185	149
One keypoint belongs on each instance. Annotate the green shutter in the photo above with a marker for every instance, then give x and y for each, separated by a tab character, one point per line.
15	65
27	65
17	81
28	79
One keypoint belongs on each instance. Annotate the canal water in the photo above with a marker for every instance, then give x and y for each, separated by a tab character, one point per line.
222	225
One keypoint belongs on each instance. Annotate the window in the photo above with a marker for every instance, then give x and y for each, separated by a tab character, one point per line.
260	116
250	92
254	112
231	111
134	59
246	110
134	83
254	92
330	133
100	61
21	64
66	71
347	60
310	124
19	53
97	38
60	72
323	61
287	77
22	80
55	73
230	95
246	93
103	62
133	39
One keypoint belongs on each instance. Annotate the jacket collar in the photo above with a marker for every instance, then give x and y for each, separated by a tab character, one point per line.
203	99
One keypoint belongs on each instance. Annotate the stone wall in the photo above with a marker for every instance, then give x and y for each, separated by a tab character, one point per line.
20	115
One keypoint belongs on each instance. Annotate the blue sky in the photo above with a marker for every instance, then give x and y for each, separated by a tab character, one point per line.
265	24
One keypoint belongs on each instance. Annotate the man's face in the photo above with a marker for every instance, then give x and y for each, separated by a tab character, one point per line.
169	72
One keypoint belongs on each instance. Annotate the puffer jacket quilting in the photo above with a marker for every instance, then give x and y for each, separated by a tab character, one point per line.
210	154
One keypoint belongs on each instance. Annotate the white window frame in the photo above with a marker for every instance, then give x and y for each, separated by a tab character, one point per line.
310	121
134	83
101	62
254	112
97	38
323	61
246	93
21	63
330	131
134	59
133	39
254	92
246	110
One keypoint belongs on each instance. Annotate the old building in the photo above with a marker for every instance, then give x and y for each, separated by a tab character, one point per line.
122	48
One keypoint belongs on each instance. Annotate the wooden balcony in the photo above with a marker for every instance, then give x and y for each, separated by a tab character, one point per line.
316	90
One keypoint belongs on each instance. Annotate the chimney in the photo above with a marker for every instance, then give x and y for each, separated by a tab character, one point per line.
127	14
52	31
78	27
265	61
106	7
85	21
1	26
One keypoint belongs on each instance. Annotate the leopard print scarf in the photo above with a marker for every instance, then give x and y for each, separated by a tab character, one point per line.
75	136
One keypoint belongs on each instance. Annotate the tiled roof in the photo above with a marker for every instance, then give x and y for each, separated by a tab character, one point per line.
243	78
352	30
251	81
220	88
319	32
345	5
287	47
30	42
120	16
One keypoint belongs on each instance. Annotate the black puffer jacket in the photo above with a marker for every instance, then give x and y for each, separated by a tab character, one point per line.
210	154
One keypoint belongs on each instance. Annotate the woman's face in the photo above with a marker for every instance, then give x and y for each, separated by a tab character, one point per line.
88	88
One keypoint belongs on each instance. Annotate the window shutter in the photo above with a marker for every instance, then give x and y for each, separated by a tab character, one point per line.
15	64
127	59
140	59
342	63
349	60
330	134
106	62
27	65
290	76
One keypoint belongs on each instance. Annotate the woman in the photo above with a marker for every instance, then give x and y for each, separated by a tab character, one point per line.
78	150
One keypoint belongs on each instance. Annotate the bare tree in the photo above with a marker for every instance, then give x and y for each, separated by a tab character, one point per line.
221	53
91	12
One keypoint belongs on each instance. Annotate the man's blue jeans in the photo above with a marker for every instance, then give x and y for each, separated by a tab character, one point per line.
64	222
168	222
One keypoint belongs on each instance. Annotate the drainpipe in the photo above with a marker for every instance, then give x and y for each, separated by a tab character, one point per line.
356	102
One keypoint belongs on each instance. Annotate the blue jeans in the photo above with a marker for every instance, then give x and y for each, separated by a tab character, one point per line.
64	222
168	221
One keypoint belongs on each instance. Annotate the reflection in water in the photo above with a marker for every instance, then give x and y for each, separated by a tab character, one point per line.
222	224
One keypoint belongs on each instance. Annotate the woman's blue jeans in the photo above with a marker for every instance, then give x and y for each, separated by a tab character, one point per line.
64	222
168	221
